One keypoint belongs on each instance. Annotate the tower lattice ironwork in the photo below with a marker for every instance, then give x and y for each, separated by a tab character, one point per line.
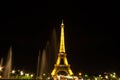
62	62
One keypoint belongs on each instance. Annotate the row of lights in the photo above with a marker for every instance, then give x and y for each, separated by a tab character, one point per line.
106	76
23	73
14	72
113	75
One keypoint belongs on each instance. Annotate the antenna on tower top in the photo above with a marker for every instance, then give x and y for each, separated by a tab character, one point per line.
62	22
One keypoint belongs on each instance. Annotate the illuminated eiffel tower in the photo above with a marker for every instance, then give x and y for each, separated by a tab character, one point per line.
62	63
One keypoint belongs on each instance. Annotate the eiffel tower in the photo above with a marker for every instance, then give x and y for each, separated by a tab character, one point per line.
62	63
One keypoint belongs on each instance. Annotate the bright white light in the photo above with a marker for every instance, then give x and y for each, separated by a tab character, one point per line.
13	71
113	76
106	77
80	74
44	74
21	73
99	75
31	75
114	73
48	78
69	77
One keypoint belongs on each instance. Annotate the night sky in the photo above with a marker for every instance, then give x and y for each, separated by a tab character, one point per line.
91	36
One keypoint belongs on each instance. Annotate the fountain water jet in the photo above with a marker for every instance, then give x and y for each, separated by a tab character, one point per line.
49	55
43	64
1	66
1	62
38	66
52	49
8	65
55	44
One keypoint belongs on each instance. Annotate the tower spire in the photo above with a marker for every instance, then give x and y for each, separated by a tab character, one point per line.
62	42
62	22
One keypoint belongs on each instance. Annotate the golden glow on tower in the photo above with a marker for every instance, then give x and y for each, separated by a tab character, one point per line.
65	61
62	63
62	42
58	61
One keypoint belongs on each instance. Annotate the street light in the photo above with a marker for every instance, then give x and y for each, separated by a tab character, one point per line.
21	73
13	71
1	68
80	74
31	75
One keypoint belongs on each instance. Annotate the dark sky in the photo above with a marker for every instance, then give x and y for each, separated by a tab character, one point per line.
90	36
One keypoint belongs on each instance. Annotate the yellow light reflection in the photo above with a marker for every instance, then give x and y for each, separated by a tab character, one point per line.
62	45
